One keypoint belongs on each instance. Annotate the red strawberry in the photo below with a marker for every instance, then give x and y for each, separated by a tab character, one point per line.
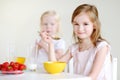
22	67
10	68
0	66
12	63
3	69
5	64
16	66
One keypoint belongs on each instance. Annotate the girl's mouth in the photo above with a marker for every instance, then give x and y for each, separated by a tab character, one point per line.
48	31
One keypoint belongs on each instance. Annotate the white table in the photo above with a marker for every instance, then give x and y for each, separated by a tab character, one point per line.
42	76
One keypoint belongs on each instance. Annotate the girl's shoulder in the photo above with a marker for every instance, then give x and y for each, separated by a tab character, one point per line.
102	44
73	47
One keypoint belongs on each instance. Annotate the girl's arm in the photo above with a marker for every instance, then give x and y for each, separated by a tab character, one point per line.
45	39
52	56
98	62
43	44
59	53
66	57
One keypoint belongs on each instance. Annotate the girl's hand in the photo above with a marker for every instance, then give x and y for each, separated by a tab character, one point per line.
45	37
45	42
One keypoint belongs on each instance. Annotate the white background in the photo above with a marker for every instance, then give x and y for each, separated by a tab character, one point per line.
19	23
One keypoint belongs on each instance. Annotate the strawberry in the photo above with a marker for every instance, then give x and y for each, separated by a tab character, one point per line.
15	66
3	69
12	63
0	66
22	67
9	68
5	64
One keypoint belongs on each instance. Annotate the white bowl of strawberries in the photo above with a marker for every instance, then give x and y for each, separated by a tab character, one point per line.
12	67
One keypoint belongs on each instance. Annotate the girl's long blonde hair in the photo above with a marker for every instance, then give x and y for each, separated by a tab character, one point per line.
92	12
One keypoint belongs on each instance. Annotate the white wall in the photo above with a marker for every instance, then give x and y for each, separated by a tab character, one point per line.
19	23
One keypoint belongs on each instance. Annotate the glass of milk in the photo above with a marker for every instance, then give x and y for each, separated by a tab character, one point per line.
32	59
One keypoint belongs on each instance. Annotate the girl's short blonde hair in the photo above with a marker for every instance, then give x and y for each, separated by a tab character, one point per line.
51	13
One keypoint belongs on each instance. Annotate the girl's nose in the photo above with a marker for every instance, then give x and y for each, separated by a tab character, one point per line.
48	26
81	27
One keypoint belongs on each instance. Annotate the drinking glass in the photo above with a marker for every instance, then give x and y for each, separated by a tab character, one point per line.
20	59
32	58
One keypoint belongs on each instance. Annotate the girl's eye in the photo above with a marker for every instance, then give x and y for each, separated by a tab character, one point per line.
85	23
75	24
52	24
45	24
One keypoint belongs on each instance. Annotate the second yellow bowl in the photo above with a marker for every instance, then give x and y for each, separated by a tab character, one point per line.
54	67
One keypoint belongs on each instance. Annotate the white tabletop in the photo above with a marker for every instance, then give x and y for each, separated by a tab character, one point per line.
42	76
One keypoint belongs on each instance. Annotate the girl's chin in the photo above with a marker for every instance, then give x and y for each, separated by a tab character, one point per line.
82	37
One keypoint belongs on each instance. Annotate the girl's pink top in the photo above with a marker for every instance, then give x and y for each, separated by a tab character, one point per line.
83	61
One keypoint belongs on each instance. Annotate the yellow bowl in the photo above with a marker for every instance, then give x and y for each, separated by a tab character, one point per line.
54	67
